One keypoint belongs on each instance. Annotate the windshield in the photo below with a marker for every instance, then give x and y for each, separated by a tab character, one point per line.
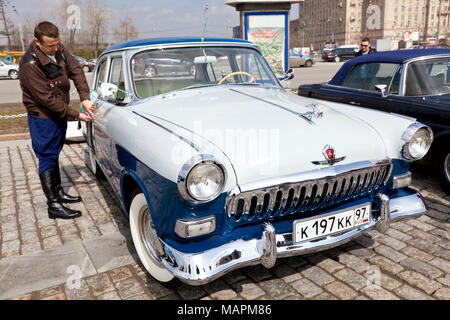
428	77
5	61
159	71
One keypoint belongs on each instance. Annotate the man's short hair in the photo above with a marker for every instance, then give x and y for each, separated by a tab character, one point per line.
46	28
365	39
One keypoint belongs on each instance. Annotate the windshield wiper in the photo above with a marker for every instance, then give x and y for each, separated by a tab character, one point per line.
198	85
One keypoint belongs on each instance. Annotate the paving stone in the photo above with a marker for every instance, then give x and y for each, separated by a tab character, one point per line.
325	263
409	293
442	264
100	284
111	295
341	290
354	262
317	275
441	233
60	296
120	274
248	290
417	254
392	242
388	283
78	293
355	280
286	273
419	281
306	288
276	288
390	253
445	280
386	264
425	269
128	288
420	225
378	293
442	294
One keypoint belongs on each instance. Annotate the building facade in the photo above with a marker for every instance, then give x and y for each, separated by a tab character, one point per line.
327	23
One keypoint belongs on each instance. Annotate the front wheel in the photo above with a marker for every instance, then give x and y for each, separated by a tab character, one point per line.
13	74
443	167
145	239
308	63
337	59
85	69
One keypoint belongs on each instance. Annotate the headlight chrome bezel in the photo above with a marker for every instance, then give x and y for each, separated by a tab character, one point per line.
186	170
409	134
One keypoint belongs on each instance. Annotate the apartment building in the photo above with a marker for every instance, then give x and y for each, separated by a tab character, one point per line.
343	22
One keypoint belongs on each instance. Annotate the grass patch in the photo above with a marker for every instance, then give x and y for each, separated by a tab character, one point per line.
19	125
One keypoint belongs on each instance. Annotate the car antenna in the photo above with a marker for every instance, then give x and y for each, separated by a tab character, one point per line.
206	21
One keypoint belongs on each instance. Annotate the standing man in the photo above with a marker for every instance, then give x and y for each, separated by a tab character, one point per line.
45	72
365	48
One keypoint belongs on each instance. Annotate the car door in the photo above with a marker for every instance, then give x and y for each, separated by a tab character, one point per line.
358	88
3	70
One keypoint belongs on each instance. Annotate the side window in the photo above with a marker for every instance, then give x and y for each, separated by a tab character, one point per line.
367	75
100	74
116	76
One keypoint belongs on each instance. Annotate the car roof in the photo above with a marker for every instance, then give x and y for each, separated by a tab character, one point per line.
170	40
396	56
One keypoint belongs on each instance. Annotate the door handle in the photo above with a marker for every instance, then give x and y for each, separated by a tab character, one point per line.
355	103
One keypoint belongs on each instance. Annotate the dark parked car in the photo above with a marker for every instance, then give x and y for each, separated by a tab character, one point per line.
414	83
340	54
86	65
153	66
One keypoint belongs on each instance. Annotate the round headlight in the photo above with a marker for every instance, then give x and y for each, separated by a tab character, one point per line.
418	139
201	179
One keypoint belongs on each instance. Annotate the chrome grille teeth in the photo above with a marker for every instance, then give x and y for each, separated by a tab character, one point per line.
305	196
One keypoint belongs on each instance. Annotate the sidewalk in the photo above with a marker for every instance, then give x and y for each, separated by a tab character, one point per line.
92	257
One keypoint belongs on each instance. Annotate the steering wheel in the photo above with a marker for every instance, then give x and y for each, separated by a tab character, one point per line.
252	78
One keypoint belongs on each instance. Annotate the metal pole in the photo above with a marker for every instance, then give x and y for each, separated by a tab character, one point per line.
21	37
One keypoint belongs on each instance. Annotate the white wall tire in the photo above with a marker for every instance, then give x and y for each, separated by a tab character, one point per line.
140	219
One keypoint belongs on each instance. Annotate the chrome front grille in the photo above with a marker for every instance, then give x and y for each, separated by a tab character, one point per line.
328	187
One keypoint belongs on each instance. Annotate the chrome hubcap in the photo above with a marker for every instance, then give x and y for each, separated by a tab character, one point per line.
447	167
147	234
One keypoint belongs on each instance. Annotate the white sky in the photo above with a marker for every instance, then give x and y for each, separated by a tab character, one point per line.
152	18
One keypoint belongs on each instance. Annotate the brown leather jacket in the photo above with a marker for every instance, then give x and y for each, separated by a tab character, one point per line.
49	98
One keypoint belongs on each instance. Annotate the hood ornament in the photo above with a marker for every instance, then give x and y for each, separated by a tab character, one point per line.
315	113
330	156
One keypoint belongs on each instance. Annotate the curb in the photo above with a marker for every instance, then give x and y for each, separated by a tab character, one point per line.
16	136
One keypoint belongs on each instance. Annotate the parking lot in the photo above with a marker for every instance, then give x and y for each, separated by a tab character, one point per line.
92	257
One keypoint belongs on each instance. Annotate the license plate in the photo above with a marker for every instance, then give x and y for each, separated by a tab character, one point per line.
318	227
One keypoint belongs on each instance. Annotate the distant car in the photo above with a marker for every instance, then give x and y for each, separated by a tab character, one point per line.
87	66
167	65
9	69
414	83
340	54
296	59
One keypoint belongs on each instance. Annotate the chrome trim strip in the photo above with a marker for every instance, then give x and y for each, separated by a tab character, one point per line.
204	267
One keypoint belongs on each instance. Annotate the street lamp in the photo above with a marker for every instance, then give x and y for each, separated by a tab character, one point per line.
20	27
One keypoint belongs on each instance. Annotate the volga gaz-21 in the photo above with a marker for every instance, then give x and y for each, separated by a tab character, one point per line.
221	168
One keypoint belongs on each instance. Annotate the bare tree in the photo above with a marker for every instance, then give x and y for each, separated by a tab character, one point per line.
98	15
127	30
7	25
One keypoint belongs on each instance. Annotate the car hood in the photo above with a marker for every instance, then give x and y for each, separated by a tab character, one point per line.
261	131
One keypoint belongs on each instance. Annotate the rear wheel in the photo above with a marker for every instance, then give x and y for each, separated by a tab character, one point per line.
443	167
308	63
85	69
13	74
145	238
150	71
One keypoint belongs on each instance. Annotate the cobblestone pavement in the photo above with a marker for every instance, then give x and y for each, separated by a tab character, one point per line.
410	261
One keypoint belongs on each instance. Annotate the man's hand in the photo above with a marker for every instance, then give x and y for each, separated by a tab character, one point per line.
84	117
89	107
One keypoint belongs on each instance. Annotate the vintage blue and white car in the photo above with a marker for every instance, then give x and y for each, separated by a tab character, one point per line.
221	168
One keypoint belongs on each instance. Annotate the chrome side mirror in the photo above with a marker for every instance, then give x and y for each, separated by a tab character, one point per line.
289	75
382	88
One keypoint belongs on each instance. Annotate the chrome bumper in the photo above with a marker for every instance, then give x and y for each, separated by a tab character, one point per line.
201	268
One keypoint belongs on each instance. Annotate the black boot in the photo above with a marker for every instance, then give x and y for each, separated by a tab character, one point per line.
63	197
55	208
